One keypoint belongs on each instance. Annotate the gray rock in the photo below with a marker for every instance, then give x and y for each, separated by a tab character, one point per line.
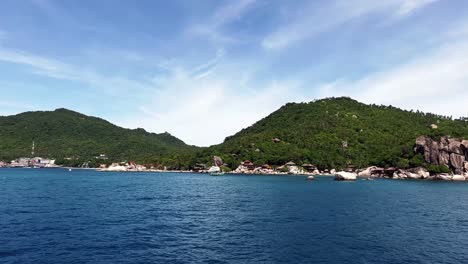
464	147
434	153
444	177
455	146
443	144
422	172
345	176
458	178
457	161
444	158
422	147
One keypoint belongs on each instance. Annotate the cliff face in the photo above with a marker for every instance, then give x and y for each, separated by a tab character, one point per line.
450	152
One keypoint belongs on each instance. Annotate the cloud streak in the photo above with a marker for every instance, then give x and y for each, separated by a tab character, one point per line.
222	16
432	82
313	20
57	69
202	111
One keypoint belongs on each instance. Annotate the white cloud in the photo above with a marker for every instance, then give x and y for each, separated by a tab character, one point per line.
232	11
311	20
409	6
222	16
60	70
433	82
203	111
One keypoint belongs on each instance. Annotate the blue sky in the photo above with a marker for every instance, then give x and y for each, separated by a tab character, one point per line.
203	70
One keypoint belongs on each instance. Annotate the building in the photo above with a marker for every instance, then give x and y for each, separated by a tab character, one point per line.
309	167
248	164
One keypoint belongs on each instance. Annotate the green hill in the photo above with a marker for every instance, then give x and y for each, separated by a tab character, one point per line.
331	133
66	134
334	133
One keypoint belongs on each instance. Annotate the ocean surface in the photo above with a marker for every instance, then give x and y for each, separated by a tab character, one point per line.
57	216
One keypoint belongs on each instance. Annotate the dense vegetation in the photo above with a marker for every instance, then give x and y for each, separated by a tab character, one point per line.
73	138
335	133
330	133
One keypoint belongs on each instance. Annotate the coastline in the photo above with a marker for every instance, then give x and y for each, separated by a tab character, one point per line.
369	173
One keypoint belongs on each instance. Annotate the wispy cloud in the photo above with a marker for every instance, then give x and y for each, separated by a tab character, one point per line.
434	81
222	16
311	20
231	11
409	6
57	69
203	111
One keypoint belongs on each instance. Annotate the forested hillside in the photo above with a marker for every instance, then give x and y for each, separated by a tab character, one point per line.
335	133
64	134
330	133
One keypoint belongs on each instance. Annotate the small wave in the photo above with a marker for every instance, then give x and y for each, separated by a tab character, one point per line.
145	199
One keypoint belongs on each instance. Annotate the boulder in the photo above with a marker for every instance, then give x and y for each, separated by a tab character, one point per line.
116	168
310	178
444	158
241	169
422	147
443	144
421	141
458	178
421	172
367	172
294	170
413	176
333	171
457	161
464	147
443	177
465	144
401	174
434	153
345	176
465	166
455	146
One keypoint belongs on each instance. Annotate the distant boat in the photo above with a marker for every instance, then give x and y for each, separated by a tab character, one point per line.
215	171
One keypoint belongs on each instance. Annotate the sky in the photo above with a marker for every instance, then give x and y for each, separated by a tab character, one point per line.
203	70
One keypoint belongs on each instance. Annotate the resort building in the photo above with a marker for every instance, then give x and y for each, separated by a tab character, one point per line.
248	164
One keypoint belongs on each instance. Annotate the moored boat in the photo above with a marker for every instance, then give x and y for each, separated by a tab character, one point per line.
216	169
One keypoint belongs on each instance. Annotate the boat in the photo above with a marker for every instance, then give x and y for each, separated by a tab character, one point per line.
216	170
310	178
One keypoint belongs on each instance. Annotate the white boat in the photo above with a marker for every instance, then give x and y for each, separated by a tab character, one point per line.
215	171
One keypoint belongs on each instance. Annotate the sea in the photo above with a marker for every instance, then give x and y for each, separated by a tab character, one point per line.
84	216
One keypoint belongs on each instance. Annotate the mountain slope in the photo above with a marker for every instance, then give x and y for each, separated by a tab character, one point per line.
334	133
63	133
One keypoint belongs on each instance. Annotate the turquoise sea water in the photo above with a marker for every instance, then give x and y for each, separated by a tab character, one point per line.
57	216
